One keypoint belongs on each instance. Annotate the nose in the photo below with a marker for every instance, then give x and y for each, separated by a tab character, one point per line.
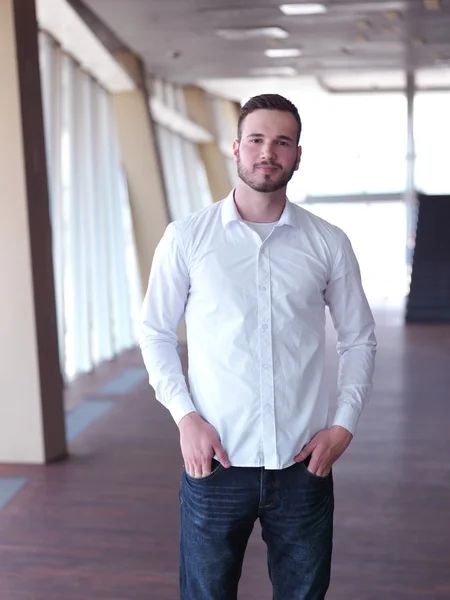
268	151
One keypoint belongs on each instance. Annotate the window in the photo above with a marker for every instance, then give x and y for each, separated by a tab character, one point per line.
95	268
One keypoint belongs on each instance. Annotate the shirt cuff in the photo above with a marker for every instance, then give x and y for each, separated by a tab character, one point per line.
347	416
179	406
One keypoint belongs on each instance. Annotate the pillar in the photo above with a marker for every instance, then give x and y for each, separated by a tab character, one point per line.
140	159
31	388
200	111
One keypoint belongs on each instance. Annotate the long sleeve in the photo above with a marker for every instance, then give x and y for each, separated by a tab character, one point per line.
356	344
162	309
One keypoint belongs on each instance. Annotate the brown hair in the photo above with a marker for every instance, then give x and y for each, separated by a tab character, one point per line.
269	102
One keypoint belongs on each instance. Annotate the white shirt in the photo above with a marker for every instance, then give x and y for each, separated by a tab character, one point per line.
255	321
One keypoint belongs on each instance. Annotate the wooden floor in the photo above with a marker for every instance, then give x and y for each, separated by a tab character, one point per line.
104	524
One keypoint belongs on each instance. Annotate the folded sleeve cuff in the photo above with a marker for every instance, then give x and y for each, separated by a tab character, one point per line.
179	406
347	416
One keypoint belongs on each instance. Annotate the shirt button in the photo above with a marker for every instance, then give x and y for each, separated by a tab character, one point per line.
263	288
263	327
266	367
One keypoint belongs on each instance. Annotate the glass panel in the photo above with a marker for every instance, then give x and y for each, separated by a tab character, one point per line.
184	174
382	259
96	272
351	145
134	285
431	134
100	283
79	243
67	173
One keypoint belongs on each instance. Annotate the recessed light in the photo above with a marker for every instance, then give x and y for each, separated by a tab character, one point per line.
442	62
303	9
272	71
393	15
432	4
252	32
363	24
283	52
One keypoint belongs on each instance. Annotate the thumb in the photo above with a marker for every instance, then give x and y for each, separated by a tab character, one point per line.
305	452
222	455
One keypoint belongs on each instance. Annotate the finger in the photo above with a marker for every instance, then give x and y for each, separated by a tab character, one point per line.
222	455
304	453
323	472
314	466
206	467
193	468
197	469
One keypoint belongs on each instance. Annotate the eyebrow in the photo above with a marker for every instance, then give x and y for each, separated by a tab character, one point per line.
279	137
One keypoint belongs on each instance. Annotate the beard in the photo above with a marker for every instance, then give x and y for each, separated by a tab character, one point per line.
270	182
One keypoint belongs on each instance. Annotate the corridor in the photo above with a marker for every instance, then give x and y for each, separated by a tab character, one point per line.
104	524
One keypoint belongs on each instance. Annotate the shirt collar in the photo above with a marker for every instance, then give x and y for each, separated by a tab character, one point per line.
230	213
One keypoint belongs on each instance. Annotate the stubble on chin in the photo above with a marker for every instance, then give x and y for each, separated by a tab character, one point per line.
264	185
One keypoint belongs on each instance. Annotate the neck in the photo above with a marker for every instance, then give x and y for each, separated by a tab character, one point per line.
258	207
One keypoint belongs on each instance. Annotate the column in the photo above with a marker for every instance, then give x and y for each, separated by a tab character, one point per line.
142	165
410	151
410	192
200	111
31	388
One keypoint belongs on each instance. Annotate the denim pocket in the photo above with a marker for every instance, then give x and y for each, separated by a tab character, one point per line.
216	469
305	464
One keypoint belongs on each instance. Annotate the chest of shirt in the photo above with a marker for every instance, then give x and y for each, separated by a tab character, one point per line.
234	265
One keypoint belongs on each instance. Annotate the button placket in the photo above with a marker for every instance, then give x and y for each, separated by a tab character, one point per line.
266	360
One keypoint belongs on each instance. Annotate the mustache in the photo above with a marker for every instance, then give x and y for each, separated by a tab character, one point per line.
268	164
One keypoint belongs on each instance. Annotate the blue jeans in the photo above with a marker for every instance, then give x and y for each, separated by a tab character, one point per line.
218	512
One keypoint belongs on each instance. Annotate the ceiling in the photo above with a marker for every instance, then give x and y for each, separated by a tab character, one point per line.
177	39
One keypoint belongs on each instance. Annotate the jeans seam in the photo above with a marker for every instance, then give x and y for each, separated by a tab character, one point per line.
274	496
274	590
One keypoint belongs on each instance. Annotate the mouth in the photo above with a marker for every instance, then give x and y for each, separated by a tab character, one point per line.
267	168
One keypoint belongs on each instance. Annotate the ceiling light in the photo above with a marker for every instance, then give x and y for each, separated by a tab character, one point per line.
393	15
363	24
273	71
442	62
252	32
432	4
303	9
282	52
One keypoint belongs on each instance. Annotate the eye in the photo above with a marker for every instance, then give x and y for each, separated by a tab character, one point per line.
282	143
255	141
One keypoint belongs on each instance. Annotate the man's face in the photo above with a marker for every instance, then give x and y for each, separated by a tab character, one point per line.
267	154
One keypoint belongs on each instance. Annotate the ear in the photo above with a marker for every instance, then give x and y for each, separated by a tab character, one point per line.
299	157
236	150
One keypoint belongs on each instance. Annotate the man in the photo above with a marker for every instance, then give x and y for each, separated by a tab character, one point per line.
253	274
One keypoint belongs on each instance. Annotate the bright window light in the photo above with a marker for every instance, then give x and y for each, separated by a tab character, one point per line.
303	9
